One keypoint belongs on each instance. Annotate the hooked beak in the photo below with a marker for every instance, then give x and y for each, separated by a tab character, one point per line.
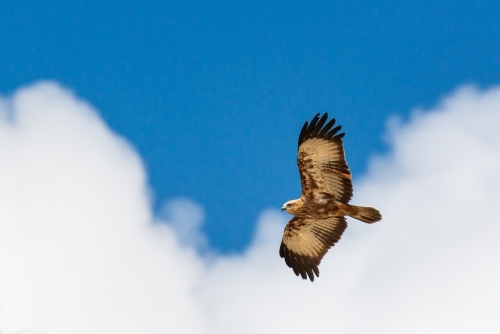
283	208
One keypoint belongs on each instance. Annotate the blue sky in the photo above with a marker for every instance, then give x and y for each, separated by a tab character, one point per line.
213	94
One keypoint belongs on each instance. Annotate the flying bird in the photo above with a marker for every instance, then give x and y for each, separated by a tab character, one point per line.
319	213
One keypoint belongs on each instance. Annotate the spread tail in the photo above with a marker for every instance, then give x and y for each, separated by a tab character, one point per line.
363	213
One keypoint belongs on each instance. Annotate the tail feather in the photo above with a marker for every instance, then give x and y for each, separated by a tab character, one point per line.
365	214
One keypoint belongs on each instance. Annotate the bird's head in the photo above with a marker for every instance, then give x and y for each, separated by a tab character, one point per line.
291	206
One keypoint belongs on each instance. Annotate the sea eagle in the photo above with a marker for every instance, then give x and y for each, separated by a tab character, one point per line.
321	209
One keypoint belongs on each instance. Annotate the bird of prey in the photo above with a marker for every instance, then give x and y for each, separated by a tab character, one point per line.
321	209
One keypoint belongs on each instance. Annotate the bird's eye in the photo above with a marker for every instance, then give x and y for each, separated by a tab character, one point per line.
288	205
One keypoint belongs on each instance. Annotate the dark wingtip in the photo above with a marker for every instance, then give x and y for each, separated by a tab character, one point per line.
303	132
302	266
318	129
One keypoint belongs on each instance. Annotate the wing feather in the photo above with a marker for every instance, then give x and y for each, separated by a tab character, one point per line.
306	241
312	126
324	172
319	125
327	127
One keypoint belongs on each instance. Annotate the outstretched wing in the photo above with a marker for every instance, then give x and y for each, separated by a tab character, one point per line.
306	241
323	169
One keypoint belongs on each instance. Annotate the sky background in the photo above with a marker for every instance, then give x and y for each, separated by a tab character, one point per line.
213	94
146	149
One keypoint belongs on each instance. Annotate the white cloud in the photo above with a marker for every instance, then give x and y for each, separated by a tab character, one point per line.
80	252
186	218
430	266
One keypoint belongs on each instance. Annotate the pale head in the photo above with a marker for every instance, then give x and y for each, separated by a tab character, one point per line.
292	206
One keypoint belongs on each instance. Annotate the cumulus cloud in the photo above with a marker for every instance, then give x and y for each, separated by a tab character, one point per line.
78	250
430	266
186	218
81	252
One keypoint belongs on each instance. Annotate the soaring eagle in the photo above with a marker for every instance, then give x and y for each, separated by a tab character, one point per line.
326	189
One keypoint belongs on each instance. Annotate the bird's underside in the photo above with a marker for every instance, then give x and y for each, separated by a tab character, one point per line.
326	190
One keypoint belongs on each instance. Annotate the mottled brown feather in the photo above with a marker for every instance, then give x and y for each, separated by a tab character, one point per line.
321	160
306	240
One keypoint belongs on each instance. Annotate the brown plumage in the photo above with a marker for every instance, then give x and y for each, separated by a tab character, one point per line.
326	189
